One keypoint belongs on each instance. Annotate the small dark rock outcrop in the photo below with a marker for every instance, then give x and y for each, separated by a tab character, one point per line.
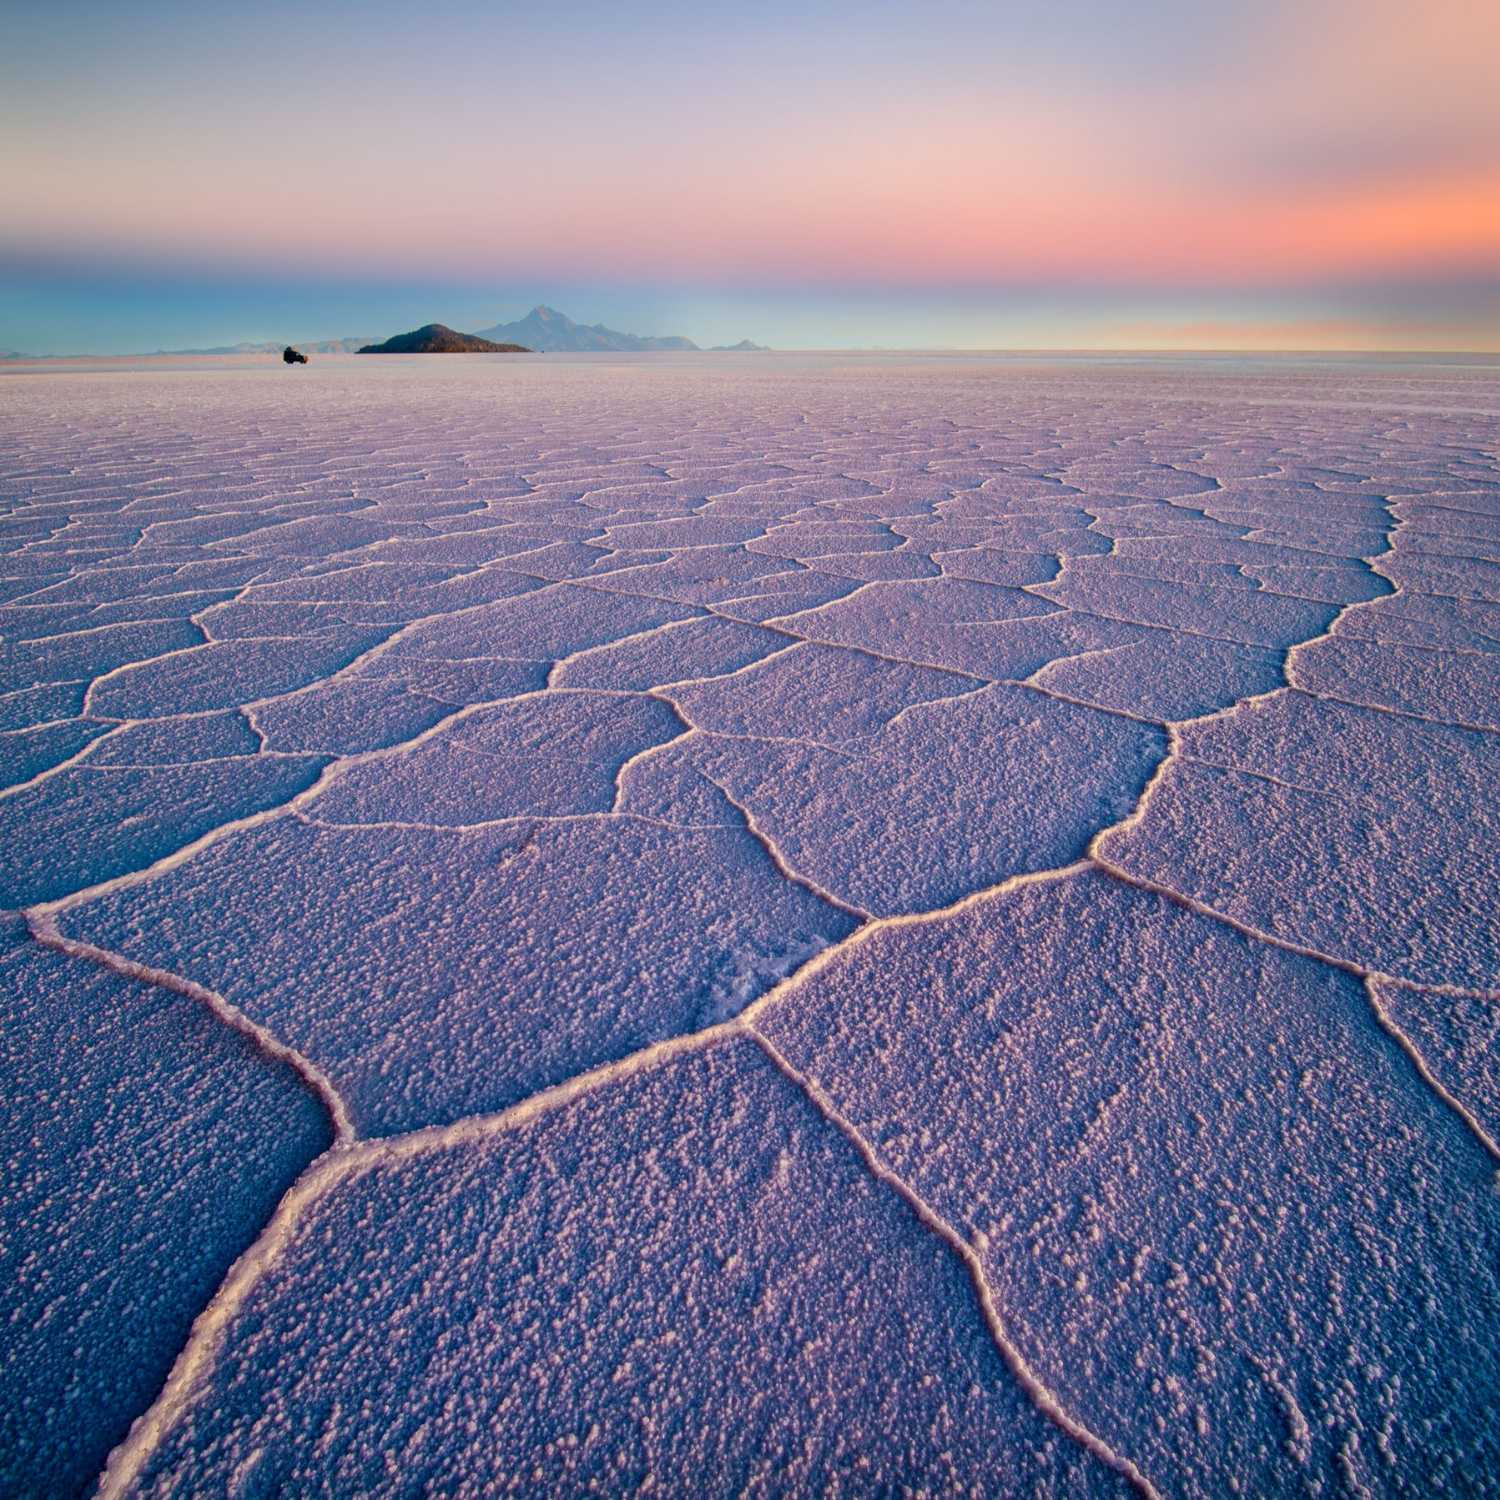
293	356
436	339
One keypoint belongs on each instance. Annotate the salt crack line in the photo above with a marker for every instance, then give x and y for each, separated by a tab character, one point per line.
562	663
366	1154
1372	562
1447	649
48	773
1396	713
1039	1393
783	867
1075	702
937	704
47	910
689	732
44	929
101	678
1368	978
186	1381
1096	858
716	679
876	925
820	747
1183	758
777	628
484	825
1389	1024
1097	614
329	774
349	1157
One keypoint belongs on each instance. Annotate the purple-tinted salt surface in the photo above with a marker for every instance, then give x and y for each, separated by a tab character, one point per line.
685	1281
146	1145
840	926
1232	1230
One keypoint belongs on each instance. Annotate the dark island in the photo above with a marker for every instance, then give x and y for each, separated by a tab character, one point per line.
434	338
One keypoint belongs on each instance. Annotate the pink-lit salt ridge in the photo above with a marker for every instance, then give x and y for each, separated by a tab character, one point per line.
1430	1081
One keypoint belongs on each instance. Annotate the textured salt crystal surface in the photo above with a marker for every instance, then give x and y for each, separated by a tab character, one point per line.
854	926
1233	1231
1368	836
146	1145
685	1280
435	972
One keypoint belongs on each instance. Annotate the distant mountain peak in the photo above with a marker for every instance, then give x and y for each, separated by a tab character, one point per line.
547	329
551	331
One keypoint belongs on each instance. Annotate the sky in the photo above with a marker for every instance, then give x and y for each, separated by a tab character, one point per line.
1063	173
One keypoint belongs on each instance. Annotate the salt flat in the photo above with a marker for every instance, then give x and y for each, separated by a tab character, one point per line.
751	924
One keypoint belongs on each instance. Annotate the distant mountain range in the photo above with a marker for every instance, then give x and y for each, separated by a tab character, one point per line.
438	338
312	346
554	332
543	329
